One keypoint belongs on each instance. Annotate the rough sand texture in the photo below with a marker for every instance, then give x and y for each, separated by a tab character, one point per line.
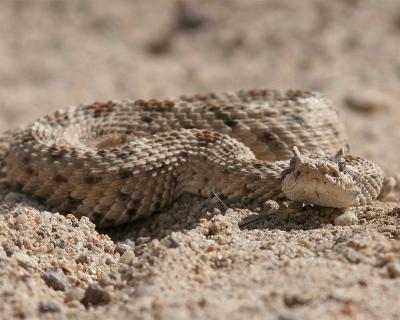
198	260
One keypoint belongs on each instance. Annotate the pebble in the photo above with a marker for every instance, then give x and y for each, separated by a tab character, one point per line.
194	246
49	307
95	295
214	228
346	219
175	243
68	266
188	17
25	261
83	259
46	216
37	218
290	317
22	220
75	294
393	269
55	279
121	248
216	211
271	205
127	257
372	102
293	300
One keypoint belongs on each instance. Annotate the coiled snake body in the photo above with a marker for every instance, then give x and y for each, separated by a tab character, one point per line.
118	161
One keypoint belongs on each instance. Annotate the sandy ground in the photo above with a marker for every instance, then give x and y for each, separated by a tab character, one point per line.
198	260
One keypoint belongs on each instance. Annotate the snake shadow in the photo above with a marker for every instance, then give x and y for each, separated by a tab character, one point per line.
303	219
186	214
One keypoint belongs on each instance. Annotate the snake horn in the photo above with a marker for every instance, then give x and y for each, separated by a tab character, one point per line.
297	153
339	155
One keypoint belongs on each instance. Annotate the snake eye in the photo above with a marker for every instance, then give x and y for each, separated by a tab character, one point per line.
342	166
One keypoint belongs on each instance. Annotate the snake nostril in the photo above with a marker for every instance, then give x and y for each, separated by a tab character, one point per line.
334	174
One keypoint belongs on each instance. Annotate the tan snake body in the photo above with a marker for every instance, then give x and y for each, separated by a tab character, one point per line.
118	161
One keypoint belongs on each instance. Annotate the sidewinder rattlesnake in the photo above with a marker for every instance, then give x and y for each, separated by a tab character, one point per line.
118	161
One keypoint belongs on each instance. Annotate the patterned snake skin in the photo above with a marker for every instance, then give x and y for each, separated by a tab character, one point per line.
118	161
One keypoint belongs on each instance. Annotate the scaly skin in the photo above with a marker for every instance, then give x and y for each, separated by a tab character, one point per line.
118	161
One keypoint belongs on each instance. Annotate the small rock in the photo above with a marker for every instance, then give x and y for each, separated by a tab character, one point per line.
349	308
216	211
367	104
351	255
271	205
346	219
175	243
289	317
55	279
393	269
188	17
25	261
294	300
370	214
46	216
389	257
161	45
121	248
194	245
28	244
49	307
127	257
106	280
214	228
68	266
37	218
83	259
95	295
9	248
22	220
75	294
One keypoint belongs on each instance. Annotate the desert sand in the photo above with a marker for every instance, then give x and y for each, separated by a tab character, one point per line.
199	260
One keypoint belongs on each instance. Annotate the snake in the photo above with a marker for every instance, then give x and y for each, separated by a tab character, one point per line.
118	161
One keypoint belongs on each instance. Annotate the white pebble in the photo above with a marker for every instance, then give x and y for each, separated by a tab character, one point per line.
21	219
25	261
46	216
346	219
127	257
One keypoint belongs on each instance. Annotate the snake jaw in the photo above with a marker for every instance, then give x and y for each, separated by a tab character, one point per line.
323	181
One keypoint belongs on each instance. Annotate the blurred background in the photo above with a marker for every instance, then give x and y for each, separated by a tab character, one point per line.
59	53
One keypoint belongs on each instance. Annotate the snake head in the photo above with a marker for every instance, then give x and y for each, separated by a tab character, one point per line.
320	180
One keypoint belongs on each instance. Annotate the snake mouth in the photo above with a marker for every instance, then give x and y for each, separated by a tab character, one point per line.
319	182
